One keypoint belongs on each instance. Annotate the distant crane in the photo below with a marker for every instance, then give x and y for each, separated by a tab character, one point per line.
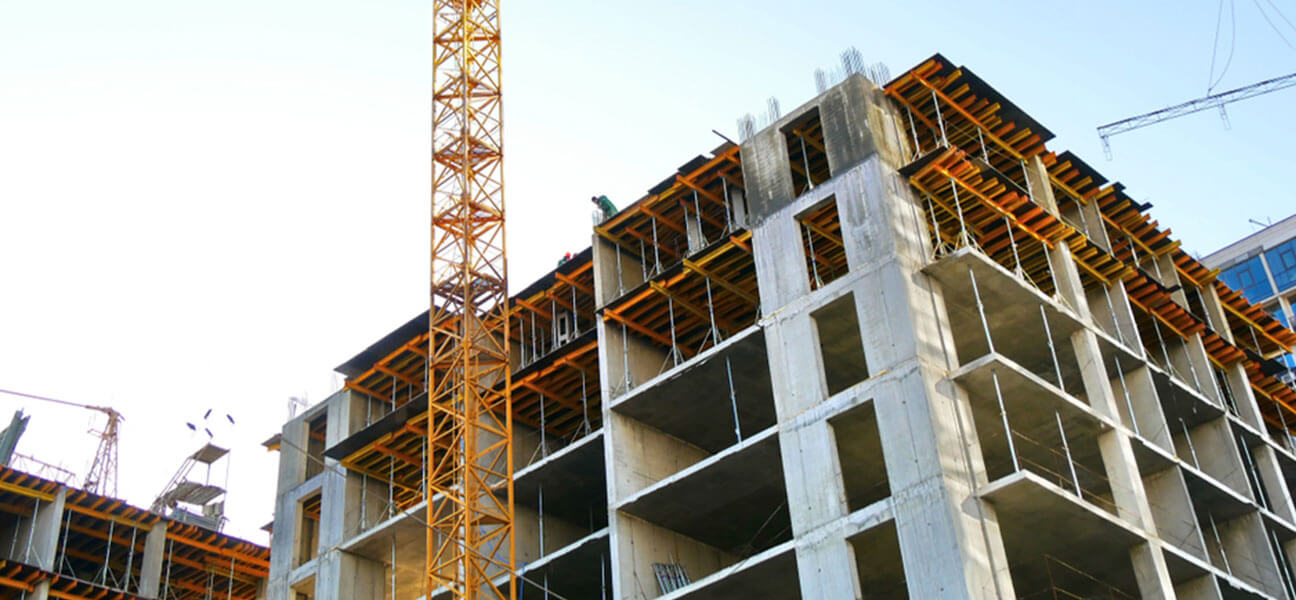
1192	106
102	476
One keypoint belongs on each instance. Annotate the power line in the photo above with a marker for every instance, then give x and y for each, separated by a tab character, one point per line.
1272	26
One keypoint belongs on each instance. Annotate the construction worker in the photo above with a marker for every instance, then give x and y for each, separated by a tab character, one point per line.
606	210
566	257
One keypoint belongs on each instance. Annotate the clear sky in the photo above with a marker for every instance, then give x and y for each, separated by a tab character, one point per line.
212	204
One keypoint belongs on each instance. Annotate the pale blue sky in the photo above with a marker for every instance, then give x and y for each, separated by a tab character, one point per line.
212	204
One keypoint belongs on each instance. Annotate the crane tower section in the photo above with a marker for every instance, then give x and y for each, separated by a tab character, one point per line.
470	431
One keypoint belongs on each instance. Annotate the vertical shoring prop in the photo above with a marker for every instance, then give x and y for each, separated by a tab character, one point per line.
1219	543
1003	414
1120	373
814	260
1111	308
1026	179
1012	241
1066	447
805	161
937	241
63	560
31	533
575	324
733	401
698	209
940	120
724	189
166	581
1048	335
625	356
620	281
470	412
958	208
985	325
675	355
104	574
917	149
544	445
585	422
656	249
130	559
715	332
643	262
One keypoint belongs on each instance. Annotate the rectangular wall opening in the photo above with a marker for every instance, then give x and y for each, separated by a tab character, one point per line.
308	518
821	242
878	562
859	454
807	155
315	440
840	346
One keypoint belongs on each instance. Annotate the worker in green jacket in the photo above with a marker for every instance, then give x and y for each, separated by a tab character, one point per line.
609	210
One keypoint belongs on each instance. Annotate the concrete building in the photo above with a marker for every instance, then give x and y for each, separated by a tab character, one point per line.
1263	267
888	346
58	541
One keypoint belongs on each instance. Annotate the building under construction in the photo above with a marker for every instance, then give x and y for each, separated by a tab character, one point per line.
820	363
61	541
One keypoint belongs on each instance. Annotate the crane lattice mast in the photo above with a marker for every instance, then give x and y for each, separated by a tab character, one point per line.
470	427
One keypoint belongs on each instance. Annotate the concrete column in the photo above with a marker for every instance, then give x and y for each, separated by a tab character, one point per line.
154	555
1275	485
44	535
1205	587
1243	396
1250	554
1172	510
1118	455
780	263
345	576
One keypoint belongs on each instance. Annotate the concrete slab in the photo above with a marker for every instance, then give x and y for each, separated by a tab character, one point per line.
1281	527
1179	401
1150	456
402	541
1183	566
574	481
734	501
1039	519
1211	496
1033	407
582	569
1012	311
691	401
1232	588
770	574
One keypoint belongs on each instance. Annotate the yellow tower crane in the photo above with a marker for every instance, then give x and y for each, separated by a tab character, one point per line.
470	546
102	476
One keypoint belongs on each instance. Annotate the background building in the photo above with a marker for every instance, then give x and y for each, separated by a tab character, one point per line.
60	541
888	345
1263	267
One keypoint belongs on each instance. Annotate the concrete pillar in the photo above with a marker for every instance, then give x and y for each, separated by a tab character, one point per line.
154	555
1117	453
1275	484
44	534
1250	554
1205	587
